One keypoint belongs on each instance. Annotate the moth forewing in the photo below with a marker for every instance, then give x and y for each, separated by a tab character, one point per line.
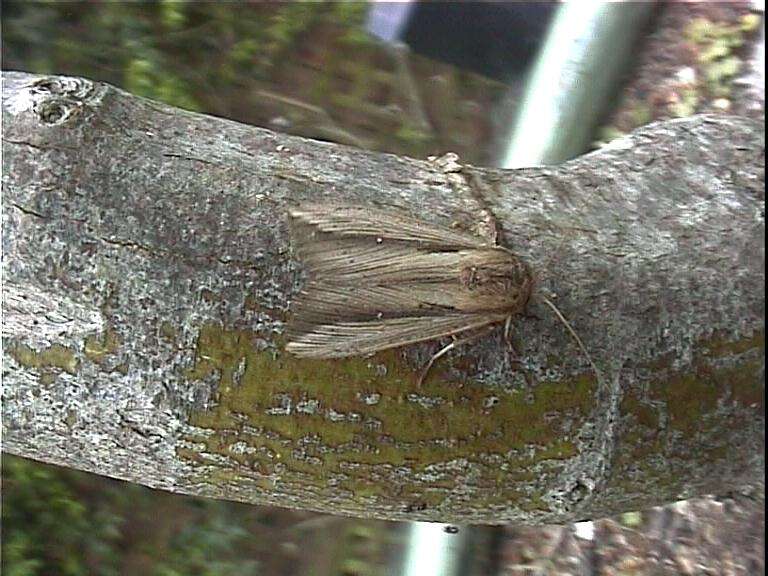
342	339
358	221
380	279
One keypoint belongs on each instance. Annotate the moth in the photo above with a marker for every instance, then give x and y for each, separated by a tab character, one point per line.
380	279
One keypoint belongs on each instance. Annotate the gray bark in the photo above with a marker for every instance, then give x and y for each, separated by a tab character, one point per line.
148	275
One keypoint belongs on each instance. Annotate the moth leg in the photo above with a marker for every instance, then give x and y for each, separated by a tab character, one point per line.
516	358
508	330
508	340
448	348
425	370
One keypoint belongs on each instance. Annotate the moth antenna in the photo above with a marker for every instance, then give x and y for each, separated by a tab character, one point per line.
567	324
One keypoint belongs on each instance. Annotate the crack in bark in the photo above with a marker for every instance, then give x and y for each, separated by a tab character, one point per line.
136	428
23	143
130	244
29	211
37	146
159	253
184	157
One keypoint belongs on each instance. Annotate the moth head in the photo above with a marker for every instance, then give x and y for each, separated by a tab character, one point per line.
517	291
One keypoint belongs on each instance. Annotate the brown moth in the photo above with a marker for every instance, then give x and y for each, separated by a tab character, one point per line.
381	279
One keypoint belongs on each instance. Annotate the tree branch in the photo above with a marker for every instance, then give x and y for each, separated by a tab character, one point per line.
148	276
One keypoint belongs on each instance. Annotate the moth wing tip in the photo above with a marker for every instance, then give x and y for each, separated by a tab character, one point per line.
293	347
299	349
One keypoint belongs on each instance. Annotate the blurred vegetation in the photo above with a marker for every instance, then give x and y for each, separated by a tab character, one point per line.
60	521
718	44
689	65
307	68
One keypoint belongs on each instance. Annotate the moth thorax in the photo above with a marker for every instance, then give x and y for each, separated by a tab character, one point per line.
479	277
511	273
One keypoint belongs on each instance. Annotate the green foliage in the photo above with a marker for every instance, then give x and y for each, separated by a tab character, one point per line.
244	51
410	136
19	555
351	14
719	73
641	114
285	26
686	105
63	522
717	44
204	550
144	77
631	519
172	13
608	133
46	530
749	23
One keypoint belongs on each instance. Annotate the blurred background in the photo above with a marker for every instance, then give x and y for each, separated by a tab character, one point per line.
500	84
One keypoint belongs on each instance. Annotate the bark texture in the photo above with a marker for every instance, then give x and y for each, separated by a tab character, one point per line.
148	275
